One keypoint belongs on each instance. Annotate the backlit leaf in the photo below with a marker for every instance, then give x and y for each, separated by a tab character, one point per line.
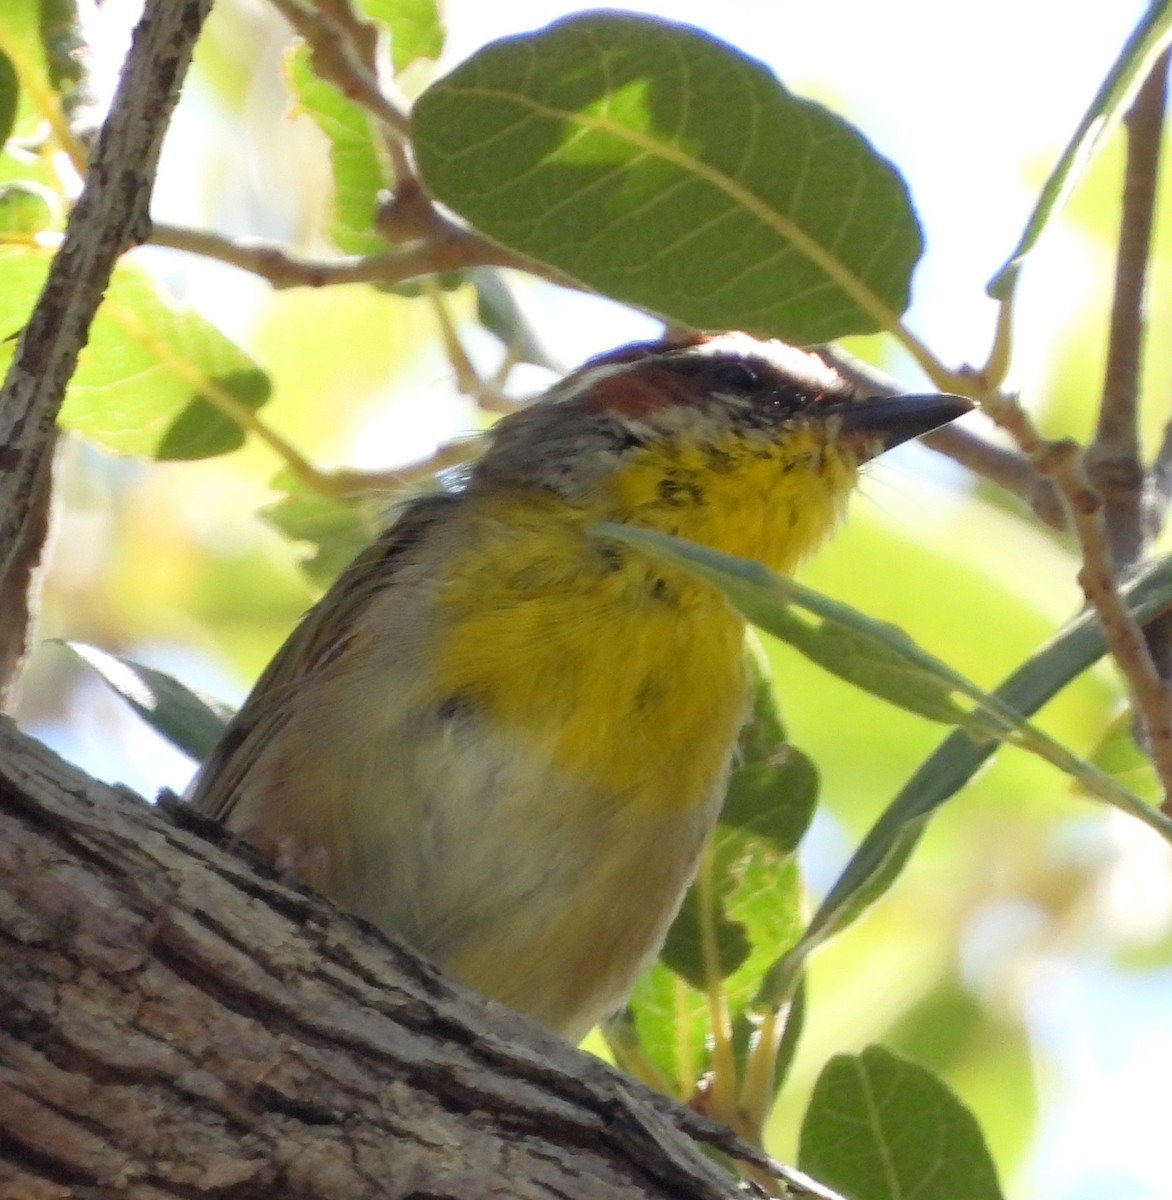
358	169
664	168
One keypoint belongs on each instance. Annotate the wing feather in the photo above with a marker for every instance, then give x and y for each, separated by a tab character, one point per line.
327	632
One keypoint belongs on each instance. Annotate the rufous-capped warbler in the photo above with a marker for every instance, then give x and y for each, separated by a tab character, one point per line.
505	738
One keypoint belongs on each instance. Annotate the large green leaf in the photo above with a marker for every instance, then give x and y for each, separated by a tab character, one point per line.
660	166
882	1128
159	380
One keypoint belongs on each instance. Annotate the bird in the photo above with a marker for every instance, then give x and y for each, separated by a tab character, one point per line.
503	738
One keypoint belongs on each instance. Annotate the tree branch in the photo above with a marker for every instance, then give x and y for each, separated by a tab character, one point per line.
1113	461
342	58
1009	469
171	1020
110	215
450	249
1062	462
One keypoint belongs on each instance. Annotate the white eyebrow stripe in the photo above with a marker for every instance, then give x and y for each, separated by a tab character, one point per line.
802	366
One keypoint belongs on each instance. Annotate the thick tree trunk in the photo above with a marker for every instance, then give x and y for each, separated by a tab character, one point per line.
172	1023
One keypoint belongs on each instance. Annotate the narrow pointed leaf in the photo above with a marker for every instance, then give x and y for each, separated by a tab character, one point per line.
189	720
1151	37
879	657
881	855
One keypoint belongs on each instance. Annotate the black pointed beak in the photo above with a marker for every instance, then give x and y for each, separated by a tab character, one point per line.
894	419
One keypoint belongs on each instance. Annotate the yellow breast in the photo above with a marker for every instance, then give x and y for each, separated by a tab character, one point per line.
621	670
621	674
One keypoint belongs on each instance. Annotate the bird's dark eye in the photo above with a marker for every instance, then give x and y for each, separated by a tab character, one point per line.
735	375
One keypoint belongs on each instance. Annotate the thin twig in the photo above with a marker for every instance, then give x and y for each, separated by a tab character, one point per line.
1062	462
450	248
1135	500
488	394
1008	469
344	481
1113	460
337	59
364	38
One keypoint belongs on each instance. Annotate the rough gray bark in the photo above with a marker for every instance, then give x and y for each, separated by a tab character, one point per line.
172	1023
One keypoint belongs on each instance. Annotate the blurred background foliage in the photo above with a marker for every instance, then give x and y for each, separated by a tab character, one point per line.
1024	907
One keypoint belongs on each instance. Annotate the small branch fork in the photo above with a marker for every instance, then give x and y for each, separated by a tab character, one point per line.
1105	496
1113	505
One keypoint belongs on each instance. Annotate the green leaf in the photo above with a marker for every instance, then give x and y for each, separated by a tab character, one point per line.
9	94
156	378
874	655
662	1035
415	27
188	719
683	950
773	788
499	313
1151	37
773	801
359	173
877	657
26	208
882	1128
335	529
655	164
883	851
